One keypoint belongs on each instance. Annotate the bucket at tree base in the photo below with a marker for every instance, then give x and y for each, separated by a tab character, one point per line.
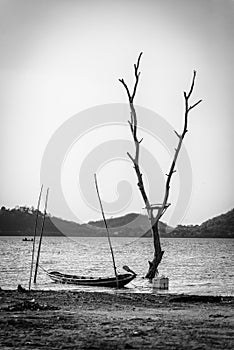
161	282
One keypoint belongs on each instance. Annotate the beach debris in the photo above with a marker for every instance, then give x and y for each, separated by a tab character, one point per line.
196	299
29	305
21	289
219	315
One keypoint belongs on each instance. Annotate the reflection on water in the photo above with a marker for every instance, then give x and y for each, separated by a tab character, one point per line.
194	266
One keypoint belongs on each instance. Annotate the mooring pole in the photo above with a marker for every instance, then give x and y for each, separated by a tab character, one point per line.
42	230
34	237
108	233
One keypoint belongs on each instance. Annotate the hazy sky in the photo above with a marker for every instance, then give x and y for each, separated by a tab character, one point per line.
60	57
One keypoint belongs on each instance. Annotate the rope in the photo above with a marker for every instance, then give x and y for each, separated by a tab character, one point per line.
43	268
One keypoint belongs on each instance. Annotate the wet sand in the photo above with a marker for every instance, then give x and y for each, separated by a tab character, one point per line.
96	320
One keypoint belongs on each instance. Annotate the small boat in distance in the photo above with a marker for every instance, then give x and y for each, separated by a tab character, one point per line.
27	239
111	282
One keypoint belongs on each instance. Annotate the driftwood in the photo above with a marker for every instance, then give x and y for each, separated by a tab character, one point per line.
154	218
196	299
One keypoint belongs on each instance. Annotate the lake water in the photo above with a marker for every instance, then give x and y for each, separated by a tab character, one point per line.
194	266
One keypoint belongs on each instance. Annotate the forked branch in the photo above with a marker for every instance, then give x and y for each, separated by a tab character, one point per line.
133	127
177	150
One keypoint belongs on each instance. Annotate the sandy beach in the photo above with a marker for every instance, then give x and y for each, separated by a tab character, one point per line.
96	320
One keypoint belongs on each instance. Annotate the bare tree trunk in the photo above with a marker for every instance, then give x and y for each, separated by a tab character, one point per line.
158	253
154	220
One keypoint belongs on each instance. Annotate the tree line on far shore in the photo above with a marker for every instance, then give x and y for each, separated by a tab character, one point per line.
21	221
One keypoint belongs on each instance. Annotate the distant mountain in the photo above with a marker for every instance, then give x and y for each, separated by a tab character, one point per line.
132	225
20	221
221	226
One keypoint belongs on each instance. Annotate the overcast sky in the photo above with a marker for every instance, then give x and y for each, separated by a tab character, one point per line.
60	57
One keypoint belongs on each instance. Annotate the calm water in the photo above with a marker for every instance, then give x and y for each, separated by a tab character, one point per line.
194	266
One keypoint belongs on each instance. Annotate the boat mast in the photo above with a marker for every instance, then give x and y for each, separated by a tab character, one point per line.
42	230
107	230
34	237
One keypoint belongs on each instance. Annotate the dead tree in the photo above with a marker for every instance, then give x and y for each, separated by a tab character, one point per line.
161	208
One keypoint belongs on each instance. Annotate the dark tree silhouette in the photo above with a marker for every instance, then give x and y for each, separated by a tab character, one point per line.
154	218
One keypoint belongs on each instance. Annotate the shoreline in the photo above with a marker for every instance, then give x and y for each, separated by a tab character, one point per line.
70	319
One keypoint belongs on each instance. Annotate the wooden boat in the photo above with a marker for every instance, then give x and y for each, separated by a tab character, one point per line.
123	279
118	281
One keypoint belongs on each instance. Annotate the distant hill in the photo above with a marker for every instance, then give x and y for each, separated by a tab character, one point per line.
20	221
221	226
132	224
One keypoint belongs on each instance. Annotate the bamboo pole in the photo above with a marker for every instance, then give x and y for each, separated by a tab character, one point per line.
34	237
42	230
107	230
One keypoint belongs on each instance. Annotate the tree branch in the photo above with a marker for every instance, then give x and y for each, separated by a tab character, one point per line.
192	85
133	127
132	159
177	150
125	85
195	104
177	133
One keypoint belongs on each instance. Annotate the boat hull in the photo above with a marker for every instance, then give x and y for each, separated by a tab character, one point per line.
123	280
